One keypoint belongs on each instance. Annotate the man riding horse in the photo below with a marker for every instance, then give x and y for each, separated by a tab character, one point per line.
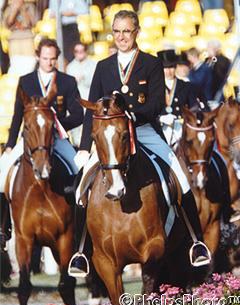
39	83
140	79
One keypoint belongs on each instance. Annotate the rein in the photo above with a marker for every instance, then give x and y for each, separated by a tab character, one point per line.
120	166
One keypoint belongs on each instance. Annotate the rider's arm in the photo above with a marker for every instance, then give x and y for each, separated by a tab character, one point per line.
71	99
95	93
16	123
155	99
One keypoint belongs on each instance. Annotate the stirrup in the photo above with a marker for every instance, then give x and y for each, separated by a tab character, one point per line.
75	271
200	260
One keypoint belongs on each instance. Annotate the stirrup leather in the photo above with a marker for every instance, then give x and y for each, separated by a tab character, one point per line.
205	259
76	272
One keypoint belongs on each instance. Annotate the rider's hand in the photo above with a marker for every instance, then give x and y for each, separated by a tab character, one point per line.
167	119
133	116
81	158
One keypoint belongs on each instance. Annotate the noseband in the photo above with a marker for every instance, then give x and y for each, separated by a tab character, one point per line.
31	151
199	129
121	166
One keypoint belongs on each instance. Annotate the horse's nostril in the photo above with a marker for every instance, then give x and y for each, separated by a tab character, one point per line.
110	196
121	193
117	196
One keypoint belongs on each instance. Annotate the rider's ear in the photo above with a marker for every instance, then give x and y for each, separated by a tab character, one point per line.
25	99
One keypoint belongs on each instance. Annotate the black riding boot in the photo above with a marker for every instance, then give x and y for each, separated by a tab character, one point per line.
199	253
6	226
72	182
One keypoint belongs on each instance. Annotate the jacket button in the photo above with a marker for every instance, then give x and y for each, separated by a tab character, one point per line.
130	94
130	106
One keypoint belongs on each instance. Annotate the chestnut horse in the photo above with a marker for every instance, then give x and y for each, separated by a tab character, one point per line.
126	209
228	135
40	215
196	148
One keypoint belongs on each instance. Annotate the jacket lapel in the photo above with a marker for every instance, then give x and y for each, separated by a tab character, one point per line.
114	69
138	64
36	84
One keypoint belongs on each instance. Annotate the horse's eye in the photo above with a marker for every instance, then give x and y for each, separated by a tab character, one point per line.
230	126
125	135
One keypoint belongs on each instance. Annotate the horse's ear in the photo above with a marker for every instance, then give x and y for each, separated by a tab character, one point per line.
88	104
120	100
25	99
215	111
53	91
188	114
231	101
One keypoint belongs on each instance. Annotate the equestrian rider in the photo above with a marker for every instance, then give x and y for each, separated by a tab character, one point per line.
140	79
68	110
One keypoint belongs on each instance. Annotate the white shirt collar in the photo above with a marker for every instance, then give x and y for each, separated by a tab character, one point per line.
169	83
45	76
125	58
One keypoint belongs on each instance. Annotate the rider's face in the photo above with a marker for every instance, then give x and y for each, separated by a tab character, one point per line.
169	73
47	59
125	34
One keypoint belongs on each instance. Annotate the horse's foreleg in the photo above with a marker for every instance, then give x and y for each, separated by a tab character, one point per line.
67	283
212	235
149	277
24	252
111	277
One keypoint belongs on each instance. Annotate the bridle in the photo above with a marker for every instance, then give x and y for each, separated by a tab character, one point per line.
121	166
199	129
30	151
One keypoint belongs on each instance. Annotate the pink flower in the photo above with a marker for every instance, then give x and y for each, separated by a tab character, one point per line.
216	277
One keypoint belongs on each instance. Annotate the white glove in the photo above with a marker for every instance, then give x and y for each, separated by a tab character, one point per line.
167	119
81	158
133	116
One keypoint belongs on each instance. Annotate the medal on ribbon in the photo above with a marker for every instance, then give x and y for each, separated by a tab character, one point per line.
124	76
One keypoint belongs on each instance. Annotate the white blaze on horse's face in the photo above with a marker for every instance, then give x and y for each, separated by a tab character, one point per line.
201	137
200	180
40	120
117	188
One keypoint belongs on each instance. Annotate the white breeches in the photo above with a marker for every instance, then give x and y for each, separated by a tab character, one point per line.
7	160
151	139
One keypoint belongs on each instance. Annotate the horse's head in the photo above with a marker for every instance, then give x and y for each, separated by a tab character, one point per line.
228	123
110	132
197	141
38	132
